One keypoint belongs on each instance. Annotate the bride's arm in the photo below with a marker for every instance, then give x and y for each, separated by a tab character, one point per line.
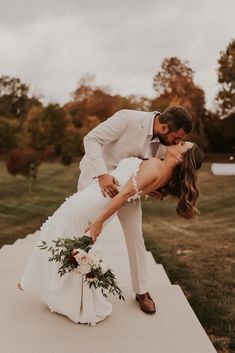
146	175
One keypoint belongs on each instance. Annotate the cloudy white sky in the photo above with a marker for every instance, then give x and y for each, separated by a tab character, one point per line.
51	44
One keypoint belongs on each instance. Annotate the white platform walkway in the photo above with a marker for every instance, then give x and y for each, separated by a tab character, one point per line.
28	326
223	168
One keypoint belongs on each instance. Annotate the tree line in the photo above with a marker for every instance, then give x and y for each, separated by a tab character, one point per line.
31	132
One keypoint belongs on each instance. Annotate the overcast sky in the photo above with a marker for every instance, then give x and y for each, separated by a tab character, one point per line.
51	44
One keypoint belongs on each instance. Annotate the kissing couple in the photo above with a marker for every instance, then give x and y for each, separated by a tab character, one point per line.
133	153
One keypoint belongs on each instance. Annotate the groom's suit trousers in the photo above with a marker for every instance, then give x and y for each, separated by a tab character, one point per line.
130	216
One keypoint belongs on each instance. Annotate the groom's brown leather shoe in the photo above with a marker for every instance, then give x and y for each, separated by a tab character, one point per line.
146	303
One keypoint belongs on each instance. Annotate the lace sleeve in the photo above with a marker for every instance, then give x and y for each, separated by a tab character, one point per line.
135	185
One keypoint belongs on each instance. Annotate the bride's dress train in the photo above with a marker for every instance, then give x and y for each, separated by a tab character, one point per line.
70	295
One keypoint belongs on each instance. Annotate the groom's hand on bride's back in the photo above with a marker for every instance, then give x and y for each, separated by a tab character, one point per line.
108	185
156	194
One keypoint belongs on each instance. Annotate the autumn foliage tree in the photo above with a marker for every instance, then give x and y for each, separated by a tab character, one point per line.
24	162
15	97
15	101
220	124
174	85
226	79
92	104
220	132
8	134
52	132
56	132
32	129
52	123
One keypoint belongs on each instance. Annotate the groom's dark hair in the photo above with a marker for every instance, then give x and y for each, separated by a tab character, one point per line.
176	117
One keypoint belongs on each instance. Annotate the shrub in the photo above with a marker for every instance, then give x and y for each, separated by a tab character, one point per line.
66	159
14	161
24	162
49	154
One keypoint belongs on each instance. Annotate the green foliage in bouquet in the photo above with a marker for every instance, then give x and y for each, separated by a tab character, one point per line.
63	252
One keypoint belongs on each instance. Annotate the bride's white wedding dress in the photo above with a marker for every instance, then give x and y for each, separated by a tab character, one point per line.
69	295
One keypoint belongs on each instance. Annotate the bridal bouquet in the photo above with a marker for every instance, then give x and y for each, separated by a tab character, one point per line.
83	257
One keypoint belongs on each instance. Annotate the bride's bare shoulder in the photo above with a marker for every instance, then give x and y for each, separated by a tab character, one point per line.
152	164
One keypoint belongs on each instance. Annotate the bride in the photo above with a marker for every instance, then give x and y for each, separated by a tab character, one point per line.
69	295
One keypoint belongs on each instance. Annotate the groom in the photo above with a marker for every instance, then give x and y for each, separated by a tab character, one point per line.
139	134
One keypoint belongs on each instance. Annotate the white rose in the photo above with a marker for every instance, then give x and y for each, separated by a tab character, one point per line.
96	266
104	267
95	254
77	271
82	257
84	262
84	269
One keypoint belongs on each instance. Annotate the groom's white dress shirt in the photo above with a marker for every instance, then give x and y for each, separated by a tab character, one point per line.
151	144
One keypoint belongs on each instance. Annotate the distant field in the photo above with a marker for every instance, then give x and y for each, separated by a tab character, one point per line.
18	214
198	256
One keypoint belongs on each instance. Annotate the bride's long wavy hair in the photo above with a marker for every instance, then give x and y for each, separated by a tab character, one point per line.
183	184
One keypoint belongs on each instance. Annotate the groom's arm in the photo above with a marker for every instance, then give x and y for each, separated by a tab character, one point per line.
145	177
158	194
105	133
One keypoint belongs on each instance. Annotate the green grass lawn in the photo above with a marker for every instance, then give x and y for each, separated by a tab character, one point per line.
18	214
196	255
199	255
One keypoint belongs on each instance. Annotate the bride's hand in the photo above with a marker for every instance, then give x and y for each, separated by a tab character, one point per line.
95	229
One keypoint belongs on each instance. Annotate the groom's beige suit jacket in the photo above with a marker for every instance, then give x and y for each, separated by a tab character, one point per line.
123	135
